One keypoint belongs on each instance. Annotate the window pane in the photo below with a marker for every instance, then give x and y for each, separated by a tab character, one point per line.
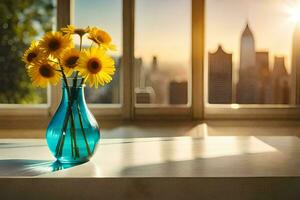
162	51
249	51
20	23
108	16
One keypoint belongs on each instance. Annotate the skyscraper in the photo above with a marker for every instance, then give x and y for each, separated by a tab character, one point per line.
178	92
295	92
139	77
247	84
220	77
263	78
280	82
159	82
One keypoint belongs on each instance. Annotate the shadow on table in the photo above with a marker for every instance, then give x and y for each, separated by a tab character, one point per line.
235	165
22	167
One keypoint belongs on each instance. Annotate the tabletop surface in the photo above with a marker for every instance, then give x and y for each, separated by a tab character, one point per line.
185	156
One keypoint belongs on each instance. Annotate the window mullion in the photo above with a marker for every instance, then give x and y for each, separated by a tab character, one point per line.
128	57
197	58
63	18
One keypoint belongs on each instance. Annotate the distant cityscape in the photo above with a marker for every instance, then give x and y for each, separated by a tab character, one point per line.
153	85
257	82
157	86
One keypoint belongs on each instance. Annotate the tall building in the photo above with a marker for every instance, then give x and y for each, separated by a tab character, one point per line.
295	83
280	82
139	77
220	77
143	94
247	84
159	82
178	92
263	78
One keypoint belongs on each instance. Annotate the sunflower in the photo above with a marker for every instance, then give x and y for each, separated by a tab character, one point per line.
101	37
53	43
70	29
41	73
96	67
33	53
69	60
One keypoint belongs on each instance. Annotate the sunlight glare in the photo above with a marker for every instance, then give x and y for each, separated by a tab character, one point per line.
295	13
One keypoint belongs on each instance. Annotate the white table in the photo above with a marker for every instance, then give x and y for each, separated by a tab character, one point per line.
214	167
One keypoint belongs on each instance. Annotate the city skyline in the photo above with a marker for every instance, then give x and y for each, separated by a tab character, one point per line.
258	83
272	22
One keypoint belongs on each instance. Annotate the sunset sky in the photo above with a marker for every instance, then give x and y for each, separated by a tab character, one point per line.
271	22
163	27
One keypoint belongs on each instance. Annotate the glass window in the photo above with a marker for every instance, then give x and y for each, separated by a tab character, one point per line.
252	51
162	52
108	16
20	23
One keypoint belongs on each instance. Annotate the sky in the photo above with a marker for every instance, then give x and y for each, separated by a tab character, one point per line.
163	27
271	22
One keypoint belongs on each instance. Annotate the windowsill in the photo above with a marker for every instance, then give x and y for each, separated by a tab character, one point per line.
140	129
157	168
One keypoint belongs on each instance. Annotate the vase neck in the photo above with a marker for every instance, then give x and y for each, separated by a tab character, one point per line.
75	94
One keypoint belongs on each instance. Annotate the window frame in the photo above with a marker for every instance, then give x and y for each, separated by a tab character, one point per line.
14	115
194	110
249	111
127	110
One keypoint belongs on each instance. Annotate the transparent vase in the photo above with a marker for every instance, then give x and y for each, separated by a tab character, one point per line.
73	133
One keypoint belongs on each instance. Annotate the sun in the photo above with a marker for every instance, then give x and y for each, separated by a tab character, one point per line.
295	13
296	16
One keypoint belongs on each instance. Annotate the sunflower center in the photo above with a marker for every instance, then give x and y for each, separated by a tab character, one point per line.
80	31
71	61
54	44
94	66
100	38
46	71
31	56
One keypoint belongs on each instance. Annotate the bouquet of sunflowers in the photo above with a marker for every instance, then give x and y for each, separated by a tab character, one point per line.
55	58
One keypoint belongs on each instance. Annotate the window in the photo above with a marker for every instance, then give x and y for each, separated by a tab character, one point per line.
247	68
18	29
162	64
251	52
251	58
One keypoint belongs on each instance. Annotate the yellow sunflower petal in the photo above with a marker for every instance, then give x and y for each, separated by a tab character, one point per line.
43	73
34	54
96	67
69	59
101	37
54	43
70	29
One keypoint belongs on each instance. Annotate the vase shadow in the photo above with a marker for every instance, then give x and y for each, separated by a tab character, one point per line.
24	167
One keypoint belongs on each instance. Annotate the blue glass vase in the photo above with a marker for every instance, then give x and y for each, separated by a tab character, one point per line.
73	133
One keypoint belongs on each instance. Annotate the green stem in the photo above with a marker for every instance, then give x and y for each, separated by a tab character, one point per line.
74	95
61	140
80	45
83	132
82	81
73	130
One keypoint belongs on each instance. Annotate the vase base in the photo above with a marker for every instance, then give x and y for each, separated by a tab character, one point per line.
78	161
